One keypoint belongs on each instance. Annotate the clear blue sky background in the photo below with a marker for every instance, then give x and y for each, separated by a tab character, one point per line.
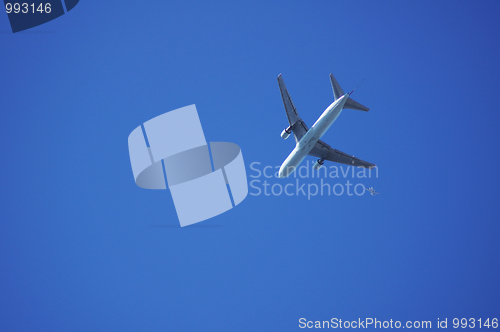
82	248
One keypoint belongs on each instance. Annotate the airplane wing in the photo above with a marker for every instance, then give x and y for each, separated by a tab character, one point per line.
299	127
325	151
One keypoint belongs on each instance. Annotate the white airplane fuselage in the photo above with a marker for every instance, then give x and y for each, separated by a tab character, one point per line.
312	136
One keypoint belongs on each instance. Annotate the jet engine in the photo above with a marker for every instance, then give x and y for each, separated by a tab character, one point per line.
319	163
286	132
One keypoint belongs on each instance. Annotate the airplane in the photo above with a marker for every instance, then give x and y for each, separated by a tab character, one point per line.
308	140
372	191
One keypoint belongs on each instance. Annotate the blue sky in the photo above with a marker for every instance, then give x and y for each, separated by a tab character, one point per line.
82	248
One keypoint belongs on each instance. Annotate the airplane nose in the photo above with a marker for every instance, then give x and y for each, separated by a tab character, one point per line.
282	174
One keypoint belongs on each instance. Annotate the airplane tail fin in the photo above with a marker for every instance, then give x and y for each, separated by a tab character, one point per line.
350	103
337	90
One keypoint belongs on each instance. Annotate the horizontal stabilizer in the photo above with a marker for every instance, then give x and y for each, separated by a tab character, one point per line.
354	105
350	103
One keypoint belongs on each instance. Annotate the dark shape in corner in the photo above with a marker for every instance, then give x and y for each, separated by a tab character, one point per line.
36	12
70	4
